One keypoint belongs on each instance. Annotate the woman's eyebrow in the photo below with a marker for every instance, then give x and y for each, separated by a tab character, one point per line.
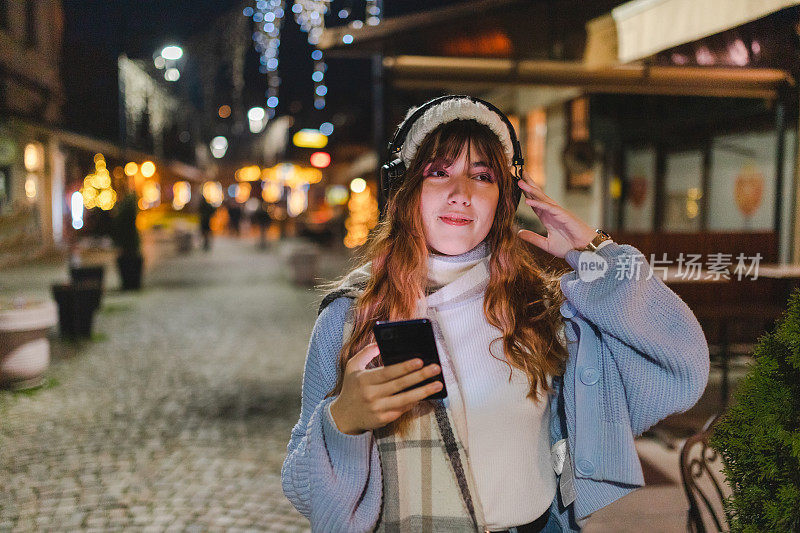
479	164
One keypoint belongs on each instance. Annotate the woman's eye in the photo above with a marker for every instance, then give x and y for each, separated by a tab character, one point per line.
437	173
485	177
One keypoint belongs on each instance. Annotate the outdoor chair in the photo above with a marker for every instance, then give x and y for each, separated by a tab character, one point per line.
703	482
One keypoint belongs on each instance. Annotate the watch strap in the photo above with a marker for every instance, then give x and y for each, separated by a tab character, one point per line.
600	237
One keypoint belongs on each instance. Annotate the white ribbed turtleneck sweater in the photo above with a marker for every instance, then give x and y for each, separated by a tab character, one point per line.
507	435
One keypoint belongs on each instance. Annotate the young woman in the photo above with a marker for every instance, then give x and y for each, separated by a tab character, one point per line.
548	379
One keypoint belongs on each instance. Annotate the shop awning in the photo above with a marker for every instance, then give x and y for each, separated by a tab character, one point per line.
425	72
90	144
642	28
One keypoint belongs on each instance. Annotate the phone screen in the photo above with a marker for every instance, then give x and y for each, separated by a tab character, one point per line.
406	339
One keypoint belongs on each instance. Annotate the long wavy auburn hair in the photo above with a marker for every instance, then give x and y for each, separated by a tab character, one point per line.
522	298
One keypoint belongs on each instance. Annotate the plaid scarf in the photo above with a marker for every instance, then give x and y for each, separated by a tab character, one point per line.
427	480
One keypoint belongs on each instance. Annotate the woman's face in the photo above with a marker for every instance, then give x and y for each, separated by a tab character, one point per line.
458	202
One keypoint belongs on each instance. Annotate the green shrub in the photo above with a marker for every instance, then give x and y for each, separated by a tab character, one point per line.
759	436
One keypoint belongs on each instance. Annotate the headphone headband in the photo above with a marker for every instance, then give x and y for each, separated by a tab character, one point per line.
393	171
405	126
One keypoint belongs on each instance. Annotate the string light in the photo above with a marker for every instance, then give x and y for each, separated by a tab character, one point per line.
310	16
373	11
96	190
268	16
363	214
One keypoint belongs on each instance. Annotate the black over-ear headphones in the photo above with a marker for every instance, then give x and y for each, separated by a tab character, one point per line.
392	172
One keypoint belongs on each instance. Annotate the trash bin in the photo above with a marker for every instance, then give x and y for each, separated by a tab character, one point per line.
304	263
90	276
77	303
183	241
24	347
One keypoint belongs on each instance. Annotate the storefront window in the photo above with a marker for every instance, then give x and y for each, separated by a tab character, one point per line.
683	191
640	169
742	182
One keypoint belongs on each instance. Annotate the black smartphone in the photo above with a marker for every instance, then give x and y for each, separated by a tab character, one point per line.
402	340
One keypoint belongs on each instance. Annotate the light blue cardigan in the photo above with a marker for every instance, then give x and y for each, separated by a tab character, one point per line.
636	355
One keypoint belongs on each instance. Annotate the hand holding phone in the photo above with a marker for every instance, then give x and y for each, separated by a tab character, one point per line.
406	339
371	398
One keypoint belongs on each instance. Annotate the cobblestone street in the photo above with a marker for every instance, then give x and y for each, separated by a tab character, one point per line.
176	415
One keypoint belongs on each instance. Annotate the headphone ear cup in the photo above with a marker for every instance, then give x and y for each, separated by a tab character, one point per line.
516	188
392	175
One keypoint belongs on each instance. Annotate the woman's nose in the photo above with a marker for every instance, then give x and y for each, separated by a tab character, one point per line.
459	192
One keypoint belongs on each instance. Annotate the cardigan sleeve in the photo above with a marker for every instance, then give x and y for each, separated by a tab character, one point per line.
332	478
653	337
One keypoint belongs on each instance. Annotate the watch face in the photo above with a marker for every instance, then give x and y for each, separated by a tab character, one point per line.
603	234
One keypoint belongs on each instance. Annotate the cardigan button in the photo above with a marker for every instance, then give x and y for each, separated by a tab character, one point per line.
590	376
585	467
567	310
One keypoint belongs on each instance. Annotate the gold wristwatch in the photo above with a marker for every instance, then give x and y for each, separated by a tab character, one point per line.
600	237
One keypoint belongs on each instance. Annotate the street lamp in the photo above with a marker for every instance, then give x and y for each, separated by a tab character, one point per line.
167	59
172	52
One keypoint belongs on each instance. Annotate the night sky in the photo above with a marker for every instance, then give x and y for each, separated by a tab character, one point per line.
97	31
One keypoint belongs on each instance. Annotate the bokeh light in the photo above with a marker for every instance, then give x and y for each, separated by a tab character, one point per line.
212	192
172	52
320	159
148	168
358	185
181	194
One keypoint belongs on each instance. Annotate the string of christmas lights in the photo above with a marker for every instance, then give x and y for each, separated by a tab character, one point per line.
310	16
268	16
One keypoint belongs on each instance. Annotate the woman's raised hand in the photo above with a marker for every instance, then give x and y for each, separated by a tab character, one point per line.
371	398
565	231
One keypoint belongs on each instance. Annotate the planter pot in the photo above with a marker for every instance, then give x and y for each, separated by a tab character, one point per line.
24	348
77	304
130	271
88	275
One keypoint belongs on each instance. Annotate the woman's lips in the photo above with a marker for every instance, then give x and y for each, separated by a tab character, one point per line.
455	220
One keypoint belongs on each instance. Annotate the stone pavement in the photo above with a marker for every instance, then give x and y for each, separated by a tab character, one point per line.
176	416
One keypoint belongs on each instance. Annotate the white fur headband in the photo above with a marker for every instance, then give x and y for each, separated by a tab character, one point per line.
447	111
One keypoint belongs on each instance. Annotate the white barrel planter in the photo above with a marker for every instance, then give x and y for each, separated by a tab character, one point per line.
24	347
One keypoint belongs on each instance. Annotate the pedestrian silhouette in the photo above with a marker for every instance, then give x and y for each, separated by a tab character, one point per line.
262	218
206	212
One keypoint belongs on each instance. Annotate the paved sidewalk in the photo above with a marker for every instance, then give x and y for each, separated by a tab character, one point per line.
177	415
